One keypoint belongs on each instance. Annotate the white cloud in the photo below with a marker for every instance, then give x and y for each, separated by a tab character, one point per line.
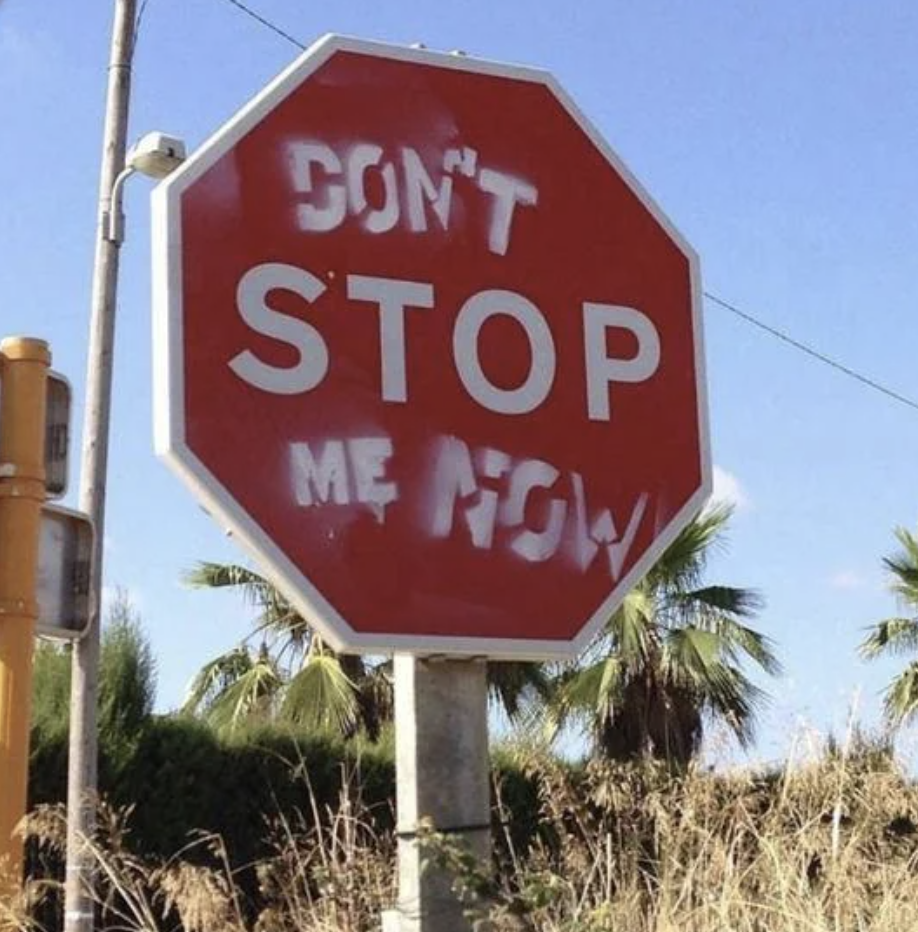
728	490
847	579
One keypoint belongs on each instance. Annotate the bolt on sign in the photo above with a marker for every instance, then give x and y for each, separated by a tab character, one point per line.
432	354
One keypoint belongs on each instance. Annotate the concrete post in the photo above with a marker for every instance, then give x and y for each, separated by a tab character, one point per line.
442	767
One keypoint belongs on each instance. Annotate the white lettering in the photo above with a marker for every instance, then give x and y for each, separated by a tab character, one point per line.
469	321
313	219
482	517
464	159
588	536
361	158
336	182
369	456
327	479
618	552
454	478
251	293
460	489
418	186
534	546
319	481
601	370
392	296
507	193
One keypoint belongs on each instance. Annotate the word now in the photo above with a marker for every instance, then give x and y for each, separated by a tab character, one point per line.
336	183
486	490
483	495
392	298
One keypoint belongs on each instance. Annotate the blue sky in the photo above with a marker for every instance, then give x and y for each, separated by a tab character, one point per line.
781	139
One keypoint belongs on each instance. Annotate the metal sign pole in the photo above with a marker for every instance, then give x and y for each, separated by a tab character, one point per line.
83	765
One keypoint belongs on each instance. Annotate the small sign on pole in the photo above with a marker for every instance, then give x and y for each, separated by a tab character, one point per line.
64	557
57	436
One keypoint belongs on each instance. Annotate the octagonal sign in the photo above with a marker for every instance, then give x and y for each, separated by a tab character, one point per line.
430	352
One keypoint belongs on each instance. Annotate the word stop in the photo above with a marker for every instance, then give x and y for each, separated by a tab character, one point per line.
393	298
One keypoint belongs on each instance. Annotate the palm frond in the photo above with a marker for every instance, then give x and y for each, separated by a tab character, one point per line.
730	600
737	702
214	678
901	698
894	636
516	687
682	563
736	639
207	575
587	694
633	629
671	656
252	696
278	621
321	696
692	660
903	569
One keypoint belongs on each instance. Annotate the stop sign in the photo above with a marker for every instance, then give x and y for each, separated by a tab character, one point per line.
430	352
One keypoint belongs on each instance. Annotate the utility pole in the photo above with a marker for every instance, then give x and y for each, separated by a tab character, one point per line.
83	763
24	367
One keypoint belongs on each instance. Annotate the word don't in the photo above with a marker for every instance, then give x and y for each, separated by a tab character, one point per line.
335	184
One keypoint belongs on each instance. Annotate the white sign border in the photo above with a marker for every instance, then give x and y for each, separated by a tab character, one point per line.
169	389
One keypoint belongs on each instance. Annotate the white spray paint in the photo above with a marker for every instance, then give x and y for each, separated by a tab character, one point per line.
487	490
471	495
333	184
344	472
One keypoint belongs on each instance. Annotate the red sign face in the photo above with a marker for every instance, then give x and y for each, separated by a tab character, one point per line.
430	353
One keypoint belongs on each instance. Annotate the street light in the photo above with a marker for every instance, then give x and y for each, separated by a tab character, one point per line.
155	155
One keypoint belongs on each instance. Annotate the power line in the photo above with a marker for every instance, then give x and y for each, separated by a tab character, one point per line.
266	23
138	22
815	354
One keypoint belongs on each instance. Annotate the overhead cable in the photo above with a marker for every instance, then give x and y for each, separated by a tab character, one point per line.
815	354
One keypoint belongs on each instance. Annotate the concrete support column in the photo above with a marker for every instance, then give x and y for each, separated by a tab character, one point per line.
441	721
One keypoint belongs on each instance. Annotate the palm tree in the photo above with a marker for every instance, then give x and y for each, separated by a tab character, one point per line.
293	675
899	635
670	659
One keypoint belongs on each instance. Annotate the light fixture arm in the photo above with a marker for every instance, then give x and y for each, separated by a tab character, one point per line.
155	155
114	216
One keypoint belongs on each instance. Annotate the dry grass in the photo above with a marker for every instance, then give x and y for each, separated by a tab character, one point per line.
832	845
826	846
327	869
